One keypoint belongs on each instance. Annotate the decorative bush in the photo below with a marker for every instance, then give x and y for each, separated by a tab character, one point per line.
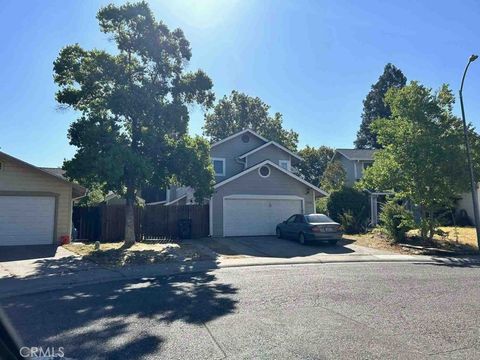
321	205
350	207
395	220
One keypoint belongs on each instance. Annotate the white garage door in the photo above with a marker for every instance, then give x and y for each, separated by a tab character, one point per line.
257	216
26	220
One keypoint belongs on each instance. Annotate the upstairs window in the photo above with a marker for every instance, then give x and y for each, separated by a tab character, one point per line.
284	164
219	166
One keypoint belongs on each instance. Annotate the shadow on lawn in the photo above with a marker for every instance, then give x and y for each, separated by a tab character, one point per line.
119	320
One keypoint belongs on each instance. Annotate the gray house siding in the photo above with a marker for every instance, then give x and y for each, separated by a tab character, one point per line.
232	149
278	183
272	153
349	169
351	174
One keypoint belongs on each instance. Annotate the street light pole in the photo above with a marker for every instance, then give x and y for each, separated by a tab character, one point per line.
469	155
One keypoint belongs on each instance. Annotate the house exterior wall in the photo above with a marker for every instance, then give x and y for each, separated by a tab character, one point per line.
278	183
353	168
466	203
16	179
232	149
348	166
270	152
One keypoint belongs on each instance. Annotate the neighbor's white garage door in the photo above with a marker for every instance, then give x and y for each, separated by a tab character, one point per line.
26	220
254	217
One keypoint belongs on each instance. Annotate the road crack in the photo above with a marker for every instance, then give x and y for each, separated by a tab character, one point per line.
215	341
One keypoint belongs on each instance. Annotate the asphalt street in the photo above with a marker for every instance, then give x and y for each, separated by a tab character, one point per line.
331	311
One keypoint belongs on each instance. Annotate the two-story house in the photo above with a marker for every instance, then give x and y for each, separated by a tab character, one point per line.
354	162
256	186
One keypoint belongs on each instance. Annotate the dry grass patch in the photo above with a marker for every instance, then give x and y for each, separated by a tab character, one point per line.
116	254
376	240
454	236
461	240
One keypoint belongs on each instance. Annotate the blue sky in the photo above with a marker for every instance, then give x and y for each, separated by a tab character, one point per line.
312	61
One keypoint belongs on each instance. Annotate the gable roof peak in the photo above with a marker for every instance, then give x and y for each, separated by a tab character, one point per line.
357	154
241	132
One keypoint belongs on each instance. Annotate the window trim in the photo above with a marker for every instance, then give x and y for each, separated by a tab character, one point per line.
280	162
260	173
223	166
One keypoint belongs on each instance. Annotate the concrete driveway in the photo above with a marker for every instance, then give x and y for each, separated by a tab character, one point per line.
270	246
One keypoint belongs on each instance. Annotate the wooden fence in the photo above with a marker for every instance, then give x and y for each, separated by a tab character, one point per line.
107	223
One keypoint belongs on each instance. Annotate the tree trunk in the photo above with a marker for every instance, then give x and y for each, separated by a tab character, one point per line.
431	227
130	218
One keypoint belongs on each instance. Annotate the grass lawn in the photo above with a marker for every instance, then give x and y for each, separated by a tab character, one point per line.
460	240
115	254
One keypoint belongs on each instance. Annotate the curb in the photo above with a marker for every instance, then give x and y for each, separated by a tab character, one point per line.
206	266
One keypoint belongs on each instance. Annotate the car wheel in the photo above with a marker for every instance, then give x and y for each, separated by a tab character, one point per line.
301	239
279	233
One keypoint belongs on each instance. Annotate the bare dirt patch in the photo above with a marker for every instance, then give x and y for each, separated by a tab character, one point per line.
116	254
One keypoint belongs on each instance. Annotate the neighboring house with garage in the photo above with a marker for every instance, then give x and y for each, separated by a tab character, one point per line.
256	186
35	203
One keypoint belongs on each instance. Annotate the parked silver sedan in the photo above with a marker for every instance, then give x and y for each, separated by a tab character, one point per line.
312	227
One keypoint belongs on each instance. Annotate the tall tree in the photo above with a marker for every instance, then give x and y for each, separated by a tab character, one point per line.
315	161
132	130
374	106
423	157
240	111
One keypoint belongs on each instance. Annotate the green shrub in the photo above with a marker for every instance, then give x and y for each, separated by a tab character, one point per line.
321	205
350	207
350	223
395	220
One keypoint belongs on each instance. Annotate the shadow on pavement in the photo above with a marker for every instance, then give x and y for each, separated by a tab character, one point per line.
97	321
470	262
270	246
26	252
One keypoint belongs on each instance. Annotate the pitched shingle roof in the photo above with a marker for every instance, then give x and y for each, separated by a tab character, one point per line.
357	154
55	171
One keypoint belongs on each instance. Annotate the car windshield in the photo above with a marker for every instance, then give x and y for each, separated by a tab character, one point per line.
318	218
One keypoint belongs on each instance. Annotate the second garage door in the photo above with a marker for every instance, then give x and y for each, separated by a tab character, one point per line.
26	220
257	216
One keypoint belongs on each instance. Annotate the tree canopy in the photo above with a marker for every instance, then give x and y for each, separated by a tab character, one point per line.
238	112
374	106
315	161
423	157
333	177
133	105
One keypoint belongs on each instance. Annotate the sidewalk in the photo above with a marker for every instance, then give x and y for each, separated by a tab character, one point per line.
69	270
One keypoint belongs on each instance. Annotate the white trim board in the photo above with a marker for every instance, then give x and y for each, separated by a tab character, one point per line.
268	162
176	200
237	134
268	144
210	216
